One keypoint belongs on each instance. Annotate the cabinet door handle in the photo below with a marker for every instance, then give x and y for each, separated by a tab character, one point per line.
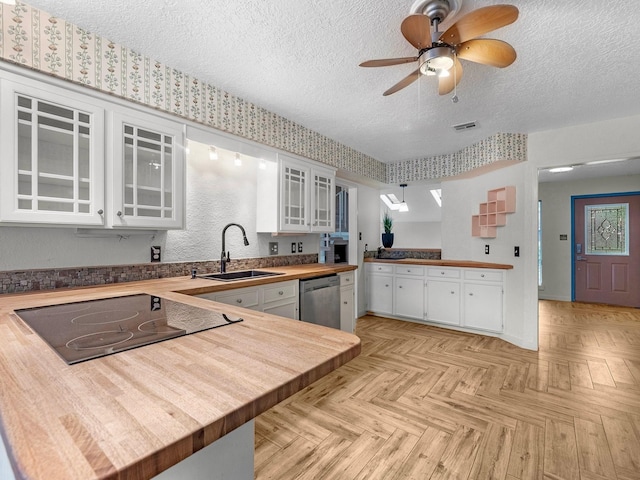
387	285
471	294
482	275
280	292
345	302
452	292
119	213
100	212
239	300
408	271
399	286
441	273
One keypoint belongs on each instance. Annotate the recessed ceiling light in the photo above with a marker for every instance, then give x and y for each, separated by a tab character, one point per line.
560	169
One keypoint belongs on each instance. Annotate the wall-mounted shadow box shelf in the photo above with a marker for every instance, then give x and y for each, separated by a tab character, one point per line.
493	213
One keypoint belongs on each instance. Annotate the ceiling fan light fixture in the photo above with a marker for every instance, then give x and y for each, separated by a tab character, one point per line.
438	59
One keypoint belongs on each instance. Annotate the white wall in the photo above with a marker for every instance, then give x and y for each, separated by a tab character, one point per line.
460	200
556	220
420	226
369	227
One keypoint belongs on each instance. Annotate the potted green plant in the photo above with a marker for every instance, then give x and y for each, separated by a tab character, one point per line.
387	236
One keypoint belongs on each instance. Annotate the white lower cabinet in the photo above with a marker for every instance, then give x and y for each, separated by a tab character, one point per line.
275	298
483	306
465	297
347	301
409	297
443	302
380	293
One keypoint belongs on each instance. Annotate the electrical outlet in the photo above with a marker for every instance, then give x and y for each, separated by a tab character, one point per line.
299	247
486	249
273	248
155	254
293	247
516	251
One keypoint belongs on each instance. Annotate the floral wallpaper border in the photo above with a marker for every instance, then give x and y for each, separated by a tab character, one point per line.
501	146
32	38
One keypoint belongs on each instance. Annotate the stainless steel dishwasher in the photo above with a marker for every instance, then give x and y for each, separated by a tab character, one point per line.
320	301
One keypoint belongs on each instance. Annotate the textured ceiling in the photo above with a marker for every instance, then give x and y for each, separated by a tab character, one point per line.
577	63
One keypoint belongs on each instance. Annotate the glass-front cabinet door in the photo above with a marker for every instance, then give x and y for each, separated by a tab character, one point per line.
323	202
52	159
295	204
148	172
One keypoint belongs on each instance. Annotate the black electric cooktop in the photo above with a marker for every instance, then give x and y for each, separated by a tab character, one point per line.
84	330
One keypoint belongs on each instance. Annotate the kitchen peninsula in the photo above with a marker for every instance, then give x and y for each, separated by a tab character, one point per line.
137	413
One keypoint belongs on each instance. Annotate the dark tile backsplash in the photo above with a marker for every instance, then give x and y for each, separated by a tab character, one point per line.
399	253
15	281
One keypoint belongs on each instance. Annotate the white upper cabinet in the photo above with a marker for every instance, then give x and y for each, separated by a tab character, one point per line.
295	196
52	156
148	165
54	170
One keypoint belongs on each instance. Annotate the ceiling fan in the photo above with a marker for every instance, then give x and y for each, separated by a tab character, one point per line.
439	52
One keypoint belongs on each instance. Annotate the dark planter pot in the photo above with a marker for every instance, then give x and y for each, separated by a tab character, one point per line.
387	240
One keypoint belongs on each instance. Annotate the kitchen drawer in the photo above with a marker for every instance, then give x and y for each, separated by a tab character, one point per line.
409	270
483	275
242	298
380	268
347	278
443	272
279	292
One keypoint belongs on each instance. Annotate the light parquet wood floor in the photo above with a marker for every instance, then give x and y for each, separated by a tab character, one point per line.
428	403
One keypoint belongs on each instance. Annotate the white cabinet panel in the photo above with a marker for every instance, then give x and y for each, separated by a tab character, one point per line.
380	294
347	301
409	297
295	196
443	302
483	306
52	157
279	298
148	172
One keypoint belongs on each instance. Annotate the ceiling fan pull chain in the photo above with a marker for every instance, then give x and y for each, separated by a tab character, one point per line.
454	99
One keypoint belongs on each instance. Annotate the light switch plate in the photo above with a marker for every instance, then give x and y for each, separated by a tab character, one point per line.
273	248
155	254
486	249
299	247
293	247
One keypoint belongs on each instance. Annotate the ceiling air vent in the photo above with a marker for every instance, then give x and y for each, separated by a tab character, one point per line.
461	127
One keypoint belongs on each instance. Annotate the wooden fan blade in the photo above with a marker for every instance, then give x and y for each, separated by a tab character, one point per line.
487	51
385	62
479	22
405	82
417	30
447	84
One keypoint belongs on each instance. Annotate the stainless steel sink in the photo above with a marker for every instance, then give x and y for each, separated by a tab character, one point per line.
241	275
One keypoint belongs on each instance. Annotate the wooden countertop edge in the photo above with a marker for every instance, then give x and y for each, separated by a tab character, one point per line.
174	453
440	263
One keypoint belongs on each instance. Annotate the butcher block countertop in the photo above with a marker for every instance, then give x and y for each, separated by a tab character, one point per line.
136	413
440	263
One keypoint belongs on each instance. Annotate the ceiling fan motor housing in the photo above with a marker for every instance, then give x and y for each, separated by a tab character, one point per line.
436	9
